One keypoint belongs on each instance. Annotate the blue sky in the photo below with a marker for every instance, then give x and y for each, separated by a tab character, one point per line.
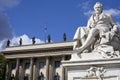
29	17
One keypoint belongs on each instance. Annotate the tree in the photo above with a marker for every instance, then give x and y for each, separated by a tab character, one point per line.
2	67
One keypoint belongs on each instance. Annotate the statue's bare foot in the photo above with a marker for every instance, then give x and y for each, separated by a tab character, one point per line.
77	50
80	50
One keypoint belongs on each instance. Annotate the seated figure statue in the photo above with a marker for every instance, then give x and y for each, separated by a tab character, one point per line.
101	29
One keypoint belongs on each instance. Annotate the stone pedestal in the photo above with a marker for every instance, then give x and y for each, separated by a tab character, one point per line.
92	68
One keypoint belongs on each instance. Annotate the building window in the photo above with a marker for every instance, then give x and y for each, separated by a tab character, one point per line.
67	57
12	78
13	65
27	65
41	77
56	77
26	78
41	65
57	64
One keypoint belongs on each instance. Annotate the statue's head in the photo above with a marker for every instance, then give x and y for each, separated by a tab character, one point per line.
98	7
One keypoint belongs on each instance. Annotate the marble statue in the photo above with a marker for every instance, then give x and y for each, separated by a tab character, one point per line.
49	38
64	37
8	43
100	34
33	40
20	41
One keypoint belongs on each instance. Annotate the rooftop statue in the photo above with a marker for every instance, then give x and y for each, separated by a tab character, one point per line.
33	40
20	42
8	43
101	34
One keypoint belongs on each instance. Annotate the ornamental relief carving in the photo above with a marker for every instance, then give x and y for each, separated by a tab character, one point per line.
94	71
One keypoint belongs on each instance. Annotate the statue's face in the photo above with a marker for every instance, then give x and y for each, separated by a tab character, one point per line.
98	9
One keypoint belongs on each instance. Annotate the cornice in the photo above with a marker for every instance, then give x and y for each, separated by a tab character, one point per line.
39	47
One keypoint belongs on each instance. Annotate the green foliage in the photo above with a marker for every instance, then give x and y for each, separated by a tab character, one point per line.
2	67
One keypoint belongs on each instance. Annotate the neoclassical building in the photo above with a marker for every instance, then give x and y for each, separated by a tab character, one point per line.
38	61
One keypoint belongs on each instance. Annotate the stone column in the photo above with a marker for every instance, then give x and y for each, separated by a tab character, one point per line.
50	69
63	70
7	72
34	70
21	75
17	69
47	68
31	69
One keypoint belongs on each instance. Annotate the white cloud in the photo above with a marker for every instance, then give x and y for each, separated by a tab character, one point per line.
25	40
87	10
6	31
5	28
84	5
2	44
118	23
15	41
114	12
88	13
4	4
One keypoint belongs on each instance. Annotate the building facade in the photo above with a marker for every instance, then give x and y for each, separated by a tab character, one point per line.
37	62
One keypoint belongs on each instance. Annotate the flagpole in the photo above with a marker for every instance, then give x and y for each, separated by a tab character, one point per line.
45	31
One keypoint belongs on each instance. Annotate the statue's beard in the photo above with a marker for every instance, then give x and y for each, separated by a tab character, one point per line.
98	12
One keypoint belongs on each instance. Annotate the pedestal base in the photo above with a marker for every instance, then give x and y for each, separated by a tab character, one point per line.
80	69
85	56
